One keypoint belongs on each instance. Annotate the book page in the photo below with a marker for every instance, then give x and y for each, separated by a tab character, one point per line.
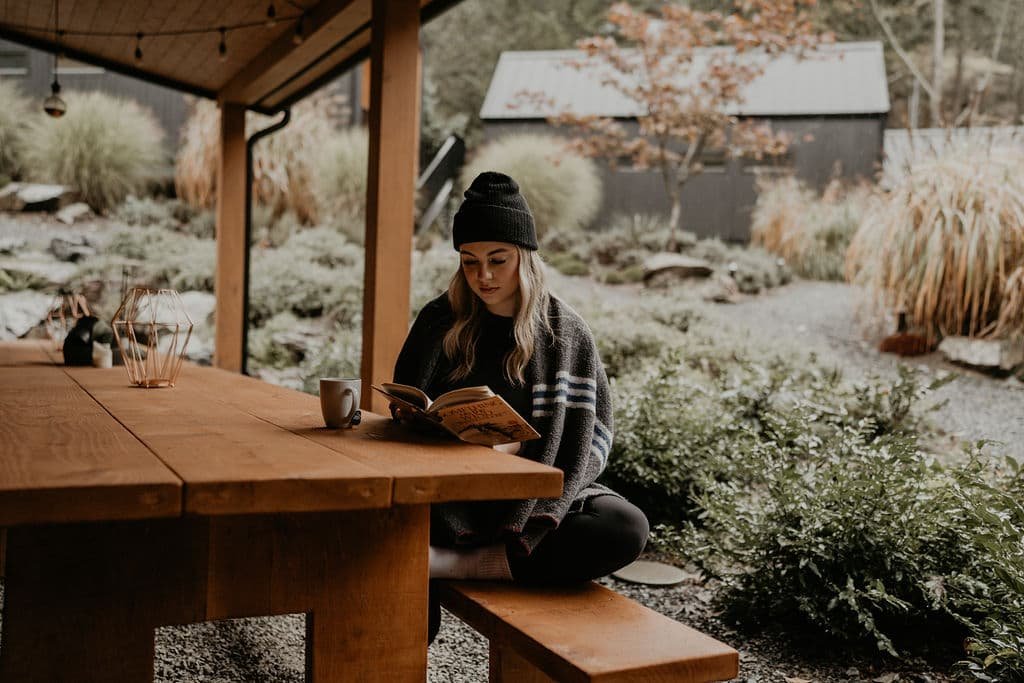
457	396
488	422
406	393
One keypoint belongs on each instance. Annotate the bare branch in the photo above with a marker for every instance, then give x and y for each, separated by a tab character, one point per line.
911	67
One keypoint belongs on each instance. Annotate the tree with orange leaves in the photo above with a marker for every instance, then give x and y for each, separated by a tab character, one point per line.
686	70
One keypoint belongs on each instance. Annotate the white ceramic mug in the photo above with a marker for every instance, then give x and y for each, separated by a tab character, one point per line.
339	400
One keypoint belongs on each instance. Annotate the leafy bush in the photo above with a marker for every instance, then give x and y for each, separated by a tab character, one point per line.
432	270
148	212
14	116
568	264
295	279
17	280
562	189
627	341
105	147
166	258
752	268
945	244
339	357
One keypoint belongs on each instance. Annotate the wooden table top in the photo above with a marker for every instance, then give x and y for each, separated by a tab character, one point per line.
82	444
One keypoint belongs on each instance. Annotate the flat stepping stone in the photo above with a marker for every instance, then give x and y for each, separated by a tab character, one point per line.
652	573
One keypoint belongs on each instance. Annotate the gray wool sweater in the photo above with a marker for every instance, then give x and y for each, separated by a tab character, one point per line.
571	410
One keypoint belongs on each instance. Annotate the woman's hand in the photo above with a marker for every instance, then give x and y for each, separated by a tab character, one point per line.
512	448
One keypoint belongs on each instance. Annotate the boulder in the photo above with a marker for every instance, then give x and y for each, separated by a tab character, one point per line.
664	267
72	250
44	197
1001	354
22	311
73	212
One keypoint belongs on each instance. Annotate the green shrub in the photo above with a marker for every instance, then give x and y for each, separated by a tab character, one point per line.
148	212
293	280
14	117
753	268
339	357
324	246
265	351
562	189
105	147
201	224
568	264
627	341
166	258
17	280
629	274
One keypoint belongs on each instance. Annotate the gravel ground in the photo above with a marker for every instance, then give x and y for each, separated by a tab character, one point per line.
814	316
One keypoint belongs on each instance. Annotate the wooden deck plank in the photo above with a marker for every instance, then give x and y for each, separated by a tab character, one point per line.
64	458
27	352
231	461
425	469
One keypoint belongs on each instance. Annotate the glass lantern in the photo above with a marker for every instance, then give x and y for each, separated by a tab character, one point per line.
152	329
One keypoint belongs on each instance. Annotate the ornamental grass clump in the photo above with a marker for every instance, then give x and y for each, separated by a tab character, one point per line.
562	187
14	117
947	246
284	163
105	147
811	233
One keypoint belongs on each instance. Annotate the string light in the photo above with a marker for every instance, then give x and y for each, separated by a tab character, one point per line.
54	105
271	16
300	30
138	47
222	49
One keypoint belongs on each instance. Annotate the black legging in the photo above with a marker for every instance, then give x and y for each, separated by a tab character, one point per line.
606	534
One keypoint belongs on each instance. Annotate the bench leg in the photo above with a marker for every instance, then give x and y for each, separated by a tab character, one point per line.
506	666
81	601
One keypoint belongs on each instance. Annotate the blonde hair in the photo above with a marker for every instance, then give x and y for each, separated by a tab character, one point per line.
531	317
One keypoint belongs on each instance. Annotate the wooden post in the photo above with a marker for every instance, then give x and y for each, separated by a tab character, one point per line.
231	246
391	179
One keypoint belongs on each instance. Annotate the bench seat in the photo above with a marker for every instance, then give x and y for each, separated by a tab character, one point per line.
583	633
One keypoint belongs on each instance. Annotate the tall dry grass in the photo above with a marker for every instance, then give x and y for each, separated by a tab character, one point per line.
104	146
946	246
284	164
14	116
562	188
810	232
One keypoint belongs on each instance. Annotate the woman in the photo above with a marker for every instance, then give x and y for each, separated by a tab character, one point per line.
497	325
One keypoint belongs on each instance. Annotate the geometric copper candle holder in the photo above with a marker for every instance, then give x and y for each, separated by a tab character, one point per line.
152	330
66	309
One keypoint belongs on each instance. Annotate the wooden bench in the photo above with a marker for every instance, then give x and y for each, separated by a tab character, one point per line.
583	633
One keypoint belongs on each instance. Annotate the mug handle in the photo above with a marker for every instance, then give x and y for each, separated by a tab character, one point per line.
347	420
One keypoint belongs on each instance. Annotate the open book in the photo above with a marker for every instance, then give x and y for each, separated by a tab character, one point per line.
473	414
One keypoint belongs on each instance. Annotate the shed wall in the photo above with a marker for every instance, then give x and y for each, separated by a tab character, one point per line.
718	202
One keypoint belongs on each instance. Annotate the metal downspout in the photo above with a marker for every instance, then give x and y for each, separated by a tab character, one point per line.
249	144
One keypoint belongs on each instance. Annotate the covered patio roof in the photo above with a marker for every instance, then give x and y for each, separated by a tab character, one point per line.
232	52
267	66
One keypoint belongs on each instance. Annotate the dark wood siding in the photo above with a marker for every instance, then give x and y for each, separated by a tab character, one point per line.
718	203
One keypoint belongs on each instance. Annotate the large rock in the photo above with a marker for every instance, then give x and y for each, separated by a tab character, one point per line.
73	212
984	353
72	250
20	312
665	267
35	197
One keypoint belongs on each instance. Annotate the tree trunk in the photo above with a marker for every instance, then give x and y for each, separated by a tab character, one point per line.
938	49
673	219
958	75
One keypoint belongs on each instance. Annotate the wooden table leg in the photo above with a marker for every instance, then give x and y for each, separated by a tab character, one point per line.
81	600
361	577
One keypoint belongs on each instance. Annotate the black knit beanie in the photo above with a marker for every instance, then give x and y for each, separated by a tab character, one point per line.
494	211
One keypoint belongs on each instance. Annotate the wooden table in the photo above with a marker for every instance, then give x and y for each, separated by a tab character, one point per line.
127	509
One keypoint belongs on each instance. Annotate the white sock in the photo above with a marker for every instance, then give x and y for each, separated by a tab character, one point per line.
487	562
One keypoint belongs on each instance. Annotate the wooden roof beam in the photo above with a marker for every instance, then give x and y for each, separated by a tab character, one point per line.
325	25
